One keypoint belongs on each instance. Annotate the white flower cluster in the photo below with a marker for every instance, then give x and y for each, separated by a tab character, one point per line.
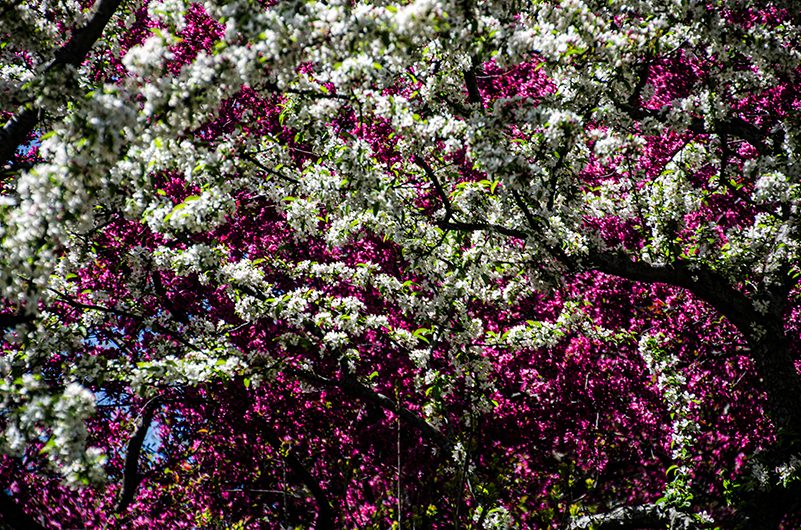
146	59
76	462
195	214
540	334
669	198
79	153
35	414
497	518
168	12
673	385
197	259
774	186
764	247
195	367
789	471
243	273
12	78
303	216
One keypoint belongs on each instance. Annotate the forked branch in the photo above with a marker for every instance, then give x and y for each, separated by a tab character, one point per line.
73	53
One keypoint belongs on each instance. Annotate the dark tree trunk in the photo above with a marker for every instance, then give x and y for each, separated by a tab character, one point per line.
780	381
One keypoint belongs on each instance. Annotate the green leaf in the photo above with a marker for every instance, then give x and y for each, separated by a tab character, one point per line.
51	443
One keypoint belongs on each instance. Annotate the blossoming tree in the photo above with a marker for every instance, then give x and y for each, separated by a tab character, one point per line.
422	264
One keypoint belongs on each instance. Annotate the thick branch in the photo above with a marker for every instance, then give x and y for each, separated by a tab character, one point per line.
72	53
473	93
635	517
325	513
705	284
15	131
354	388
764	332
176	312
131	476
13	319
735	126
443	197
12	517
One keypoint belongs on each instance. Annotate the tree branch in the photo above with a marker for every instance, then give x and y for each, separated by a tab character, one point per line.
325	512
131	476
353	387
9	320
473	92
764	332
15	131
706	284
73	53
12	517
250	157
122	313
443	197
735	126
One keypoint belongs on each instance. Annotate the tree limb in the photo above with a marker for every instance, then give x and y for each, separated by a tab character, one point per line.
9	320
131	476
73	53
12	517
763	331
325	512
353	387
473	92
707	285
